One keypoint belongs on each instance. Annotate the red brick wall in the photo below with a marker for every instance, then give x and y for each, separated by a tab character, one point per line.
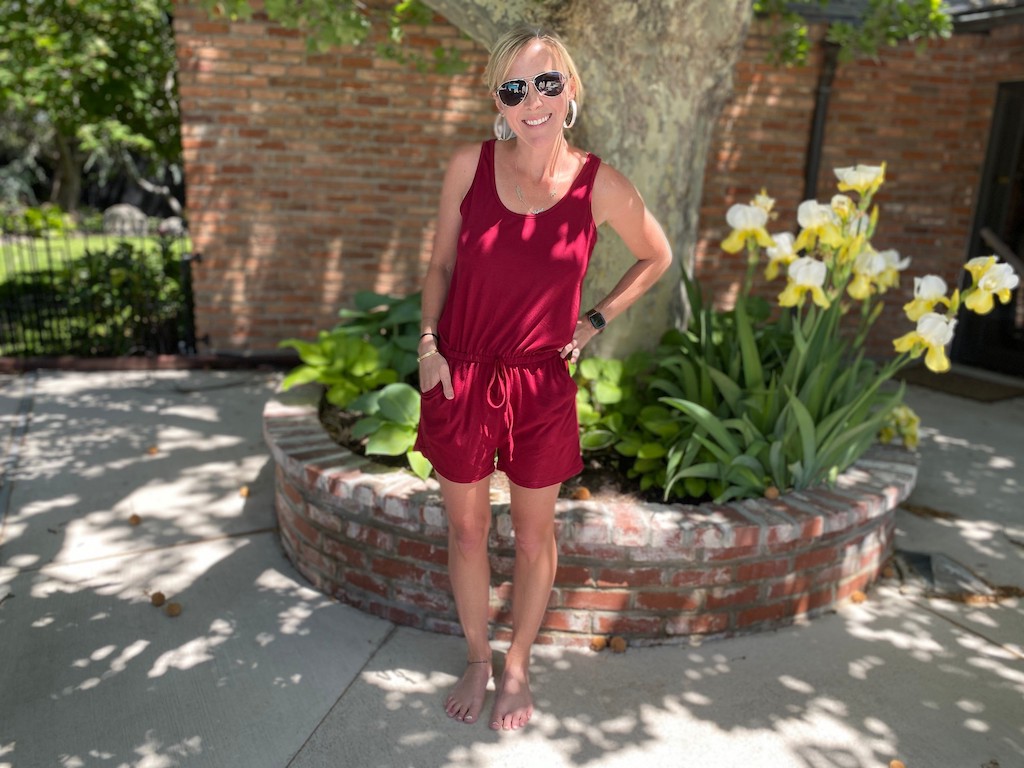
312	177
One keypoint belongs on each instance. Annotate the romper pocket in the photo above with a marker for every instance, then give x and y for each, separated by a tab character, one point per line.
434	391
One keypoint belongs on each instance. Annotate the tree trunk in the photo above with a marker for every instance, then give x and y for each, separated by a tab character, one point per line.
67	184
656	75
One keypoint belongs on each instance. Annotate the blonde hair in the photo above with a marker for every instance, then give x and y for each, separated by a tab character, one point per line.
509	45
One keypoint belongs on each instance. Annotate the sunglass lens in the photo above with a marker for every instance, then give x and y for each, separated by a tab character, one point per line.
512	92
550	83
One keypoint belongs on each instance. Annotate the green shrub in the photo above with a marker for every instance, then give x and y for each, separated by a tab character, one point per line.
106	302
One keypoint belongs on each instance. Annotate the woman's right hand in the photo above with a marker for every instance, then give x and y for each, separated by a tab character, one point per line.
433	370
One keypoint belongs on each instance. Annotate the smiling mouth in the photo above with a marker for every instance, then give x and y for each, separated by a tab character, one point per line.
538	121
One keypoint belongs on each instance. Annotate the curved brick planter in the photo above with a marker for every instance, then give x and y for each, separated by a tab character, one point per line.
376	538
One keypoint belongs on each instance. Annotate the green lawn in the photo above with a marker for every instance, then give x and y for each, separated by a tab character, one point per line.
25	255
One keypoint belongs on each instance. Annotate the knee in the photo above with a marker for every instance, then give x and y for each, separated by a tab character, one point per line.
535	543
469	535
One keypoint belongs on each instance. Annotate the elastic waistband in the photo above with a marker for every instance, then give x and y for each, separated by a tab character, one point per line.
513	360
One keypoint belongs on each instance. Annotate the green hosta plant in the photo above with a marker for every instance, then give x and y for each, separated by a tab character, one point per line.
391	417
389	323
367	363
619	422
346	365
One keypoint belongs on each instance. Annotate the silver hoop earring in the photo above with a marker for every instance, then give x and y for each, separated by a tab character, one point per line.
502	130
570	119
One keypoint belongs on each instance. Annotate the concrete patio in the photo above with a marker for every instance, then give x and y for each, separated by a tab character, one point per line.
261	670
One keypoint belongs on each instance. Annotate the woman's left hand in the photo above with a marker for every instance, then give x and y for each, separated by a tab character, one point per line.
580	338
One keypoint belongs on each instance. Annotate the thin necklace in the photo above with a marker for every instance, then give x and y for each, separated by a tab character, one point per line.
519	194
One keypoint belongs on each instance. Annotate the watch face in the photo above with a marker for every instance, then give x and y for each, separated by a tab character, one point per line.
596	319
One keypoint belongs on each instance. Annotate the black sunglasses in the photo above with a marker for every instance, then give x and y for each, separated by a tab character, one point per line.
512	92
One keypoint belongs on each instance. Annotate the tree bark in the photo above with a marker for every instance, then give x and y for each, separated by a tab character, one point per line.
67	185
657	73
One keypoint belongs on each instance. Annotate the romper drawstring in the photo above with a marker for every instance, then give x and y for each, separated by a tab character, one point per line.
501	380
500	375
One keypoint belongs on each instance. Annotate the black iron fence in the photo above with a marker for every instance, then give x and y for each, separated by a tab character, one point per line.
94	295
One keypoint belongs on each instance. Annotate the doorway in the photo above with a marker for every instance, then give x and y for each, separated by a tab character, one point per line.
995	341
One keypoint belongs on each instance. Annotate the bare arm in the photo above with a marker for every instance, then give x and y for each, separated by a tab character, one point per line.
457	180
618	202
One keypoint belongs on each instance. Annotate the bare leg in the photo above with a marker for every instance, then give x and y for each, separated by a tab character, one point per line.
469	521
533	517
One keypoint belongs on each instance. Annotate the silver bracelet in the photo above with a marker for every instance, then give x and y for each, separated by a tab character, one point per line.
425	355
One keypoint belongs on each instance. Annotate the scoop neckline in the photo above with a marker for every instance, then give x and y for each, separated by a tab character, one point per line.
497	196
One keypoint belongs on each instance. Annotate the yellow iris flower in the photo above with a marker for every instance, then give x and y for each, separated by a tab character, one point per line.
780	254
932	334
762	201
806	275
747	222
867	268
819	222
890	276
929	291
990	280
843	207
862	179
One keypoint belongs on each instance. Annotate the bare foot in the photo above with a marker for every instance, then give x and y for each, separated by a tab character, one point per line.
467	697
513	706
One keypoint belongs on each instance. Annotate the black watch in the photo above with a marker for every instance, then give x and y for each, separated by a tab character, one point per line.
596	319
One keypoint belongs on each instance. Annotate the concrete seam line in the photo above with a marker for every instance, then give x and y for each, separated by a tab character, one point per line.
371	657
1012	651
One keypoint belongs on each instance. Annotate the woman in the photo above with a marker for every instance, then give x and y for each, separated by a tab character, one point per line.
517	223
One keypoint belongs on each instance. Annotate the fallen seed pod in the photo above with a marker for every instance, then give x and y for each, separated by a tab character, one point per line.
158	599
173	609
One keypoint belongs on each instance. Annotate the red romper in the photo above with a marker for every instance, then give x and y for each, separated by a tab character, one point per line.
512	304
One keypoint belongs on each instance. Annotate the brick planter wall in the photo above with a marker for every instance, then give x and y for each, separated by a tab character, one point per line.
376	538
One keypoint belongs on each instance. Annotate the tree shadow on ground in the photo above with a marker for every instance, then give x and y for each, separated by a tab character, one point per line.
923	681
876	682
93	674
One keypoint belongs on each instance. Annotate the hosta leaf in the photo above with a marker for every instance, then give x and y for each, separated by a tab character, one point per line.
629	446
606	393
597	439
400	403
342	393
311	353
365	426
651	451
419	464
304	374
391	440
